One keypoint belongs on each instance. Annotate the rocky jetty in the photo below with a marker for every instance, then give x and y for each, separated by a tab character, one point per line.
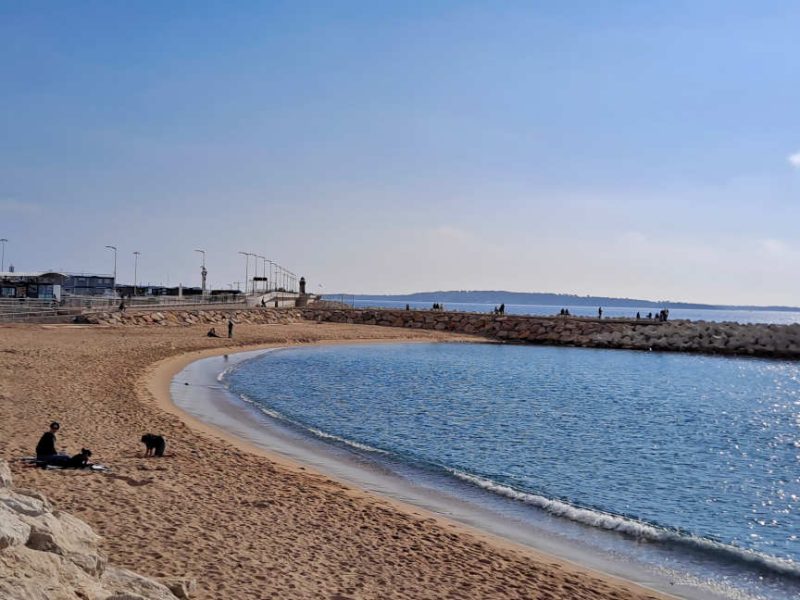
774	341
182	318
47	553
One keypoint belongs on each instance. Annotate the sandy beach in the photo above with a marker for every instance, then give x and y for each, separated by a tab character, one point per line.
244	523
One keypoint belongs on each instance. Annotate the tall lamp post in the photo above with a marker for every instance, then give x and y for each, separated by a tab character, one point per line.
203	272
247	256
114	248
3	255
271	281
264	258
136	254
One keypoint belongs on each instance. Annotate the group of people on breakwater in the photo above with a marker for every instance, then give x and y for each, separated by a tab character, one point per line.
662	315
48	456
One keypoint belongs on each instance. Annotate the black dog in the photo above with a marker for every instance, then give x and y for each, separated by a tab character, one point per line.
156	444
79	461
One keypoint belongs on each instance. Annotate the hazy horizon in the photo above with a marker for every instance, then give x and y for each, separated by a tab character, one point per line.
597	148
612	297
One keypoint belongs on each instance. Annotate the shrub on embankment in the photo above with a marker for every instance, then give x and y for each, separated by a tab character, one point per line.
775	341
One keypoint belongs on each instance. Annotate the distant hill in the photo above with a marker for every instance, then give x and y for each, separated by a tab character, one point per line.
503	297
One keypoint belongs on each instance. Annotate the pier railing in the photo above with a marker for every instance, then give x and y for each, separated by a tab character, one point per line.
32	309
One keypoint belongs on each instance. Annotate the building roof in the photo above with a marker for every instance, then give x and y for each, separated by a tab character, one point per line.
12	274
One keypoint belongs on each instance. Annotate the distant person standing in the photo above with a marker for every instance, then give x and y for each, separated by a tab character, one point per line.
600	313
230	327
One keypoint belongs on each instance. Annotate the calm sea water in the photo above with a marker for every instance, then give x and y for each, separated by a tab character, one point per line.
700	453
739	316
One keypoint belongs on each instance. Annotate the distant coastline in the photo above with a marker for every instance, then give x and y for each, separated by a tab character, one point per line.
546	299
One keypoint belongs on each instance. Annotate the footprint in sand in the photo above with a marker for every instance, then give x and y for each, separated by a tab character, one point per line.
130	480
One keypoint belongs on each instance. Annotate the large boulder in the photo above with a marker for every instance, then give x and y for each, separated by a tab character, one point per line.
127	585
46	553
61	533
13	530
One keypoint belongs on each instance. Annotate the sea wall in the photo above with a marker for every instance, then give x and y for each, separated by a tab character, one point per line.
776	341
182	318
47	553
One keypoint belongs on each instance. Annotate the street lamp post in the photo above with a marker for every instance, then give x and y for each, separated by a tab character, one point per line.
114	248
264	258
3	255
271	281
203	273
135	271
247	256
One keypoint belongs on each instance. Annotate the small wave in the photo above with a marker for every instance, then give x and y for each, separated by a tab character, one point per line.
228	370
633	528
313	430
336	438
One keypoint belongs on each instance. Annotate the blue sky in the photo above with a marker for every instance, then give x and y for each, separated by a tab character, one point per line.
616	148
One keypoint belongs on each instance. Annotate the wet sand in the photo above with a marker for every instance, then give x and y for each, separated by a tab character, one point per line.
244	522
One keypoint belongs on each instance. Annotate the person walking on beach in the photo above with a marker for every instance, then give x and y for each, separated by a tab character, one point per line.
46	448
230	327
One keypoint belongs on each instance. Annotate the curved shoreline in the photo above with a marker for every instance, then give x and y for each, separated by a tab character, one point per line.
159	379
242	525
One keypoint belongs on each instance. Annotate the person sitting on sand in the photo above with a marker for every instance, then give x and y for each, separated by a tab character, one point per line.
46	448
212	333
155	444
79	461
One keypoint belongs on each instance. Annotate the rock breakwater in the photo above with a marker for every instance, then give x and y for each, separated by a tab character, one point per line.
774	341
178	318
47	553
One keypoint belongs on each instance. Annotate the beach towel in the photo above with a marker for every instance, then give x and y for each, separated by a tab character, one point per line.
34	462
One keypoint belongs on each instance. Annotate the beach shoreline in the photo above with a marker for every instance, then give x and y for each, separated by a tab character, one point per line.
244	522
221	412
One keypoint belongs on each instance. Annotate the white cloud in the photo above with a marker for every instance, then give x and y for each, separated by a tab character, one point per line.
794	160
